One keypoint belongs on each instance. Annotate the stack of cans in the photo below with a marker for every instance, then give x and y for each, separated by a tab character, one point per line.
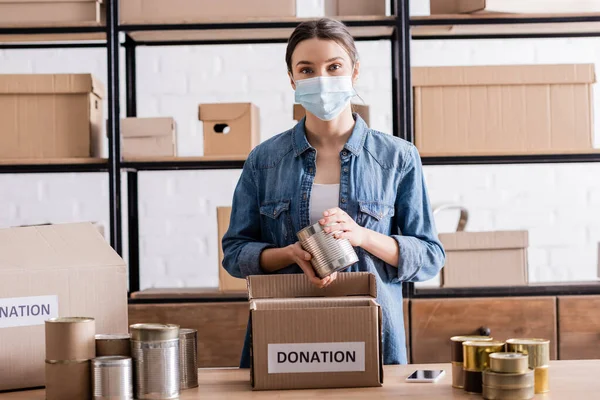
458	375
476	357
538	353
508	378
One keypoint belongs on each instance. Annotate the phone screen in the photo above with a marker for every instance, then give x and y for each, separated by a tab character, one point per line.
425	374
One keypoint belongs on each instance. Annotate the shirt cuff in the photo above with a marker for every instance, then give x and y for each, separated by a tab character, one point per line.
410	257
249	259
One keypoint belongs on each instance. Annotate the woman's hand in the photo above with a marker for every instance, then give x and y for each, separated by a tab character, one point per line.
302	258
338	221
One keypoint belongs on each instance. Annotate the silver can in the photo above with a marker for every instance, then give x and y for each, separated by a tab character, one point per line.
328	253
112	378
155	353
188	358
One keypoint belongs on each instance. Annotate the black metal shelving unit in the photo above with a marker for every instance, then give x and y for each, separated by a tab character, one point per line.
400	28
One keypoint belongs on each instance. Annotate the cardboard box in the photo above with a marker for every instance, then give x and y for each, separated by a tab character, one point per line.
148	137
503	110
344	8
43	12
304	337
54	271
50	116
230	129
185	11
360	109
483	259
513	6
227	283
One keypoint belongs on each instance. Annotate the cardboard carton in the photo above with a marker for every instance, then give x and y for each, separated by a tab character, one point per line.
42	12
50	116
345	8
305	337
503	110
54	271
513	6
230	129
483	259
148	137
186	11
360	109
227	283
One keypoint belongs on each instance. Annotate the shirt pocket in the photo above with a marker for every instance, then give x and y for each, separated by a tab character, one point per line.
376	216
277	222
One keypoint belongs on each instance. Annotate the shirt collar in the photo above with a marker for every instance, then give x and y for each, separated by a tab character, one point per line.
354	144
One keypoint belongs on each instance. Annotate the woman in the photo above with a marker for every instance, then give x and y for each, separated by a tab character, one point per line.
333	169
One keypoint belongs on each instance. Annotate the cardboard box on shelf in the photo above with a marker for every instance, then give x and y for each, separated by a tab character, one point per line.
482	259
54	271
50	116
227	283
17	12
360	109
230	129
148	137
503	110
513	6
345	8
304	337
185	11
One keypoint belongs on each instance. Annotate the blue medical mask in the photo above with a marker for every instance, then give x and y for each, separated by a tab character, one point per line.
325	96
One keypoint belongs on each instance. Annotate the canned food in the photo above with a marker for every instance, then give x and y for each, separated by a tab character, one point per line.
70	338
328	253
188	358
112	378
155	353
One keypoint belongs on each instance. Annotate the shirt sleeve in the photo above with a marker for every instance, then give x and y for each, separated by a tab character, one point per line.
241	243
421	254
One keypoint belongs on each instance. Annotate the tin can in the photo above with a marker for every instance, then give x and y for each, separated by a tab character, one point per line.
155	353
113	345
188	358
328	253
70	338
112	378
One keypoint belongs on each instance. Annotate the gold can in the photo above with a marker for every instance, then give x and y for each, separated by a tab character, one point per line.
491	393
501	380
509	363
476	355
457	345
538	350
542	380
458	375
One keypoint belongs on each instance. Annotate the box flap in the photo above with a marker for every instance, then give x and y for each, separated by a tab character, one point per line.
298	285
485	240
222	111
503	75
50	84
147	127
61	246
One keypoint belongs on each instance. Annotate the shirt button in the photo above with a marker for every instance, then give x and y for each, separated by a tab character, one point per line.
274	212
345	169
343	199
304	196
310	171
344	153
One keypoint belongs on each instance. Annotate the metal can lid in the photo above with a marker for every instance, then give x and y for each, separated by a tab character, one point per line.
111	361
493	343
508	356
118	336
471	338
528	341
150	332
69	320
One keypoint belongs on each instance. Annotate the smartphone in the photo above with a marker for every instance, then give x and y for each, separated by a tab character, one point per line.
428	375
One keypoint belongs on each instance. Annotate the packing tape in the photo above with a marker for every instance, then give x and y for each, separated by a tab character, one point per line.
457	345
491	393
458	375
500	380
542	380
538	350
473	382
509	363
477	354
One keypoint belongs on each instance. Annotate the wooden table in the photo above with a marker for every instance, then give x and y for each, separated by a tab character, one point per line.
568	380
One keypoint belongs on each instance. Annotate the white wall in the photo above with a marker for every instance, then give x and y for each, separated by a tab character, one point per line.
559	204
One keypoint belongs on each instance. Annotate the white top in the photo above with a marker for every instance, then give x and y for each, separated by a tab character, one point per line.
322	198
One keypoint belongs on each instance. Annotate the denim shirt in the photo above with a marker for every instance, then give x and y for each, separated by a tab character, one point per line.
381	187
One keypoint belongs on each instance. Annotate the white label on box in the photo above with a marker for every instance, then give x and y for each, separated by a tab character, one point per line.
316	357
27	311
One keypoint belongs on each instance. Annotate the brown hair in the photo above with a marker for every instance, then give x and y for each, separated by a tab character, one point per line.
324	28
